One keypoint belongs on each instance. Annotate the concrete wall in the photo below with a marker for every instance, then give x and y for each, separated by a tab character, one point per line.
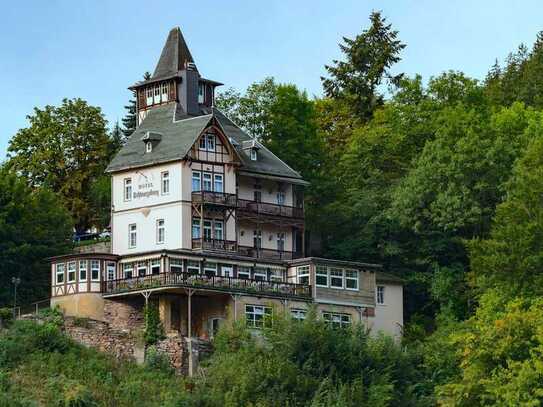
81	305
389	316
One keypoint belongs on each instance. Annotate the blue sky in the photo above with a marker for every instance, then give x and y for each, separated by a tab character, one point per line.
96	49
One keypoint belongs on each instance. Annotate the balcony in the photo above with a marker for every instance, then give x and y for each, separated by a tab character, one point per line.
208	282
232	247
214	198
215	244
269	209
267	254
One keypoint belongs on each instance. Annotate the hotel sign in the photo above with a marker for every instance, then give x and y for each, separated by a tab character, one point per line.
145	186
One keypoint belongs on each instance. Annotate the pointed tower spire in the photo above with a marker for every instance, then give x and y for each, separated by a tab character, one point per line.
174	57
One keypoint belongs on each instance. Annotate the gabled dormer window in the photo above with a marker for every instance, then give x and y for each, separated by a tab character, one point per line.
254	154
148	147
207	142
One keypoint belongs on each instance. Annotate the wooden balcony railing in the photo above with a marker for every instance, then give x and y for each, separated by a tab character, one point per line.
269	254
214	198
208	282
265	208
215	244
249	251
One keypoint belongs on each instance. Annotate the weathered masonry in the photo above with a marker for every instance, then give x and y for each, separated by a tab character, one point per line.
209	224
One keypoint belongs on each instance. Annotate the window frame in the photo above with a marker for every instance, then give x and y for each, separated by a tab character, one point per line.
380	301
196	176
165	183
128	267
95	269
153	265
160	231
260	323
281	198
164	91
253	154
245	271
306	269
191	268
132	232
196	227
217	222
108	269
210	267
176	264
85	269
332	277
201	92
127	183
298	314
142	265
148	147
260	274
60	273
345	320
347	279
215	179
320	274
71	267
205	174
257	238
281	241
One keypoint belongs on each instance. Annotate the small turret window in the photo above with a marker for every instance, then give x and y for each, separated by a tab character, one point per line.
148	147
201	92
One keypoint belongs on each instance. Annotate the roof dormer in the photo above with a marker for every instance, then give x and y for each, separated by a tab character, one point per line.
151	140
251	147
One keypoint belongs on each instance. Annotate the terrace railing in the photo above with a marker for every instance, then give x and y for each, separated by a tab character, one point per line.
210	282
214	198
265	208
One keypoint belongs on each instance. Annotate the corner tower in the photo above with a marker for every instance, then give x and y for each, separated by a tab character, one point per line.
175	80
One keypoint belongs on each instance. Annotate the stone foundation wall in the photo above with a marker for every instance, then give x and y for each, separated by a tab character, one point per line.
175	348
126	315
99	335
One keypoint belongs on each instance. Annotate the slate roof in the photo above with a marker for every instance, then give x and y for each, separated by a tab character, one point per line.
179	132
174	56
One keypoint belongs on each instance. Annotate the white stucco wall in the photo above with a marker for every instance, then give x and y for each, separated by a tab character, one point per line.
269	190
389	316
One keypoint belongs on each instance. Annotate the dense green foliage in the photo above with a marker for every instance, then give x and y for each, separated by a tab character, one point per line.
33	226
65	149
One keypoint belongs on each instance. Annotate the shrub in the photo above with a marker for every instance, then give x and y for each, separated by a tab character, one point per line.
6	316
156	360
154	331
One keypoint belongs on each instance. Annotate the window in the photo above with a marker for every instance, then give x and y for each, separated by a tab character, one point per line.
298	314
257	239
157	94
227	271
111	271
71	272
321	276
203	143
155	266
219	187
257	316
218	230
132	234
149	96
253	154
60	273
380	294
82	270
281	242
207	182
210	269
128	270
207	229
244	272
302	274
276	275
128	189
160	231
196	228
193	266
257	196
201	91
176	265
165	88
260	273
95	270
336	277
165	184
280	198
142	269
196	181
148	147
210	138
337	320
351	279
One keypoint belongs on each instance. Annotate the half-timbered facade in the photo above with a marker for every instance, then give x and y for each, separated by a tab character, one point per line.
209	223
